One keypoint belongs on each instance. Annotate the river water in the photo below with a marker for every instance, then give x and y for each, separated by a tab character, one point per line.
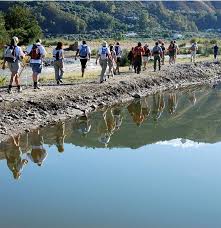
153	162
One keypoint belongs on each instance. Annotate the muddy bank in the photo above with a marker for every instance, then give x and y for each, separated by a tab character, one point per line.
30	109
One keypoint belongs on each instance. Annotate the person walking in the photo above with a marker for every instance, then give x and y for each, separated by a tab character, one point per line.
146	55
157	53
38	153
163	53
215	52
171	52
112	61
12	55
103	56
58	55
37	53
84	53
138	52
14	157
118	51
193	50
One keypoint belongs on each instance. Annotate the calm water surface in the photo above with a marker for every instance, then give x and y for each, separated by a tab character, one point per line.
154	162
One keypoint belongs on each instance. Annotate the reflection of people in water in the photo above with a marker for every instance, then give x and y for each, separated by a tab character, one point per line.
158	106
60	136
139	111
106	126
83	125
14	158
38	153
172	103
118	118
192	97
145	108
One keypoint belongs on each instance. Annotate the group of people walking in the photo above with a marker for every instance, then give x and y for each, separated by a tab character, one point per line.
109	57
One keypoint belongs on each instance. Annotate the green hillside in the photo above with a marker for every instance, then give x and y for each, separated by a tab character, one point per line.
115	17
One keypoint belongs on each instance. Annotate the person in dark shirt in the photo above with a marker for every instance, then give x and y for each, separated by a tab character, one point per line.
215	51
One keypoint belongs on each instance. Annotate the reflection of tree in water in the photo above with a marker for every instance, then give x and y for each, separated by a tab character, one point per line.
158	106
14	158
60	136
192	97
38	152
139	111
172	103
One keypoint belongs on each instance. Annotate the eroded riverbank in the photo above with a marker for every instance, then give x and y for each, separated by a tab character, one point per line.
28	110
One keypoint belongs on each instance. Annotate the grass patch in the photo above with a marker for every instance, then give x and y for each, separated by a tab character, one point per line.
2	80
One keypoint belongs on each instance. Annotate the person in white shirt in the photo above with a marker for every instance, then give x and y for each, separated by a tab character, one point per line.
58	55
193	50
103	56
12	55
84	53
37	53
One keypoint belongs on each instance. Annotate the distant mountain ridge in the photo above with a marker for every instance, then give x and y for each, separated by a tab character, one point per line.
70	17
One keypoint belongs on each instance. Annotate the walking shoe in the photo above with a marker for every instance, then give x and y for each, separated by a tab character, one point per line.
60	80
19	89
9	89
36	87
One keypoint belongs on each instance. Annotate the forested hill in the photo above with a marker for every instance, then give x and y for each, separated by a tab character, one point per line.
78	17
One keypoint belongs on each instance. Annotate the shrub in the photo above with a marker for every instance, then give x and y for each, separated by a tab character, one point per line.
182	45
2	80
213	41
124	59
94	52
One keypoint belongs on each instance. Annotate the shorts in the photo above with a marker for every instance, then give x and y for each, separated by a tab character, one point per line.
118	59
145	58
171	53
14	67
83	63
36	67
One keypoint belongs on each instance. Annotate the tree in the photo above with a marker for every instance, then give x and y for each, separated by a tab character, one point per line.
19	21
3	32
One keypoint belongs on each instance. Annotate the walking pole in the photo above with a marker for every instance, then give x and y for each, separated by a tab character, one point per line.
19	75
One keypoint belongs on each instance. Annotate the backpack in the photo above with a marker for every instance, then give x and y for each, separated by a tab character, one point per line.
156	50
10	54
103	53
57	56
171	47
35	52
117	50
83	51
146	51
193	47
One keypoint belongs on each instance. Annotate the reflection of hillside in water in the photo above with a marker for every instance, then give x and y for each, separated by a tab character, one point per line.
187	114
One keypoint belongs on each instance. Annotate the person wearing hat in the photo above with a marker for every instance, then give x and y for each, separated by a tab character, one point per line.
38	153
37	53
12	55
14	157
103	56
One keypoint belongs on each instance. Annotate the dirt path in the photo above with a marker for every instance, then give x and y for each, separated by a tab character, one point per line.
30	109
